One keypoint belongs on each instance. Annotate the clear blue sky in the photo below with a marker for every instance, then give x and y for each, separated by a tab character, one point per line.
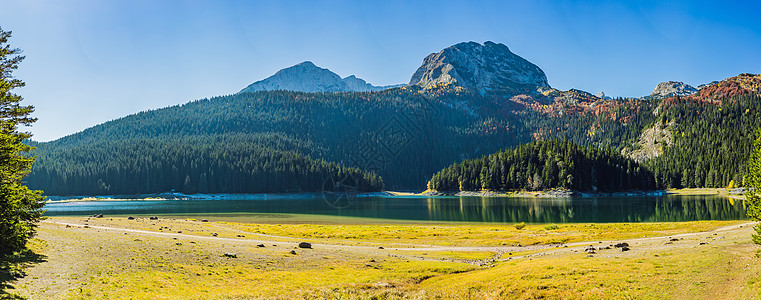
93	61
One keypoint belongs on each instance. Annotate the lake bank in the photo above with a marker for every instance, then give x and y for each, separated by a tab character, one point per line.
181	196
735	193
118	258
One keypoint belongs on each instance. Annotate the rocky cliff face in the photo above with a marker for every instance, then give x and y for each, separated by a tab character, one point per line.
651	142
306	77
672	89
487	67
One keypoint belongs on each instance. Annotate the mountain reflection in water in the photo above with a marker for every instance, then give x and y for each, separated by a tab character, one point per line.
582	210
463	209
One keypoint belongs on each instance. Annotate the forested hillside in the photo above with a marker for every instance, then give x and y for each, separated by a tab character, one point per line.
266	141
204	164
712	141
545	165
402	135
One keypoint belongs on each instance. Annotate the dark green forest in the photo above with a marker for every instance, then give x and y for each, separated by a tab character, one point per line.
545	165
712	142
208	164
616	127
401	135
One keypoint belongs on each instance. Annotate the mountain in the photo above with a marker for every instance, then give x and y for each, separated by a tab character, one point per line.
232	142
309	78
356	84
602	95
743	84
480	67
261	141
671	89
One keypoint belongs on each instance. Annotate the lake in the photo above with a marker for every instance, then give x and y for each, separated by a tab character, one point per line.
669	208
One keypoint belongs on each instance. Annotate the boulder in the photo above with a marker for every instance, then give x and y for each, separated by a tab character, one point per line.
305	245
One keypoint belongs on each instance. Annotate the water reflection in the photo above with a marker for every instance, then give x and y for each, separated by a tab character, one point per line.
466	209
578	210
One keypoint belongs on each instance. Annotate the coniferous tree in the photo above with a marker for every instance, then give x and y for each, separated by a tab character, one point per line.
753	180
546	165
20	207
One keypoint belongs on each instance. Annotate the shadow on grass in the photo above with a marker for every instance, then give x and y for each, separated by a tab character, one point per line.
12	268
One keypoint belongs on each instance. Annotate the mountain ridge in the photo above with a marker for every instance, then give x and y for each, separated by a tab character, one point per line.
309	78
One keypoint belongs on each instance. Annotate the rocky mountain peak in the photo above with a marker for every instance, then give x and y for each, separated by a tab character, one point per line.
672	89
483	67
307	77
602	95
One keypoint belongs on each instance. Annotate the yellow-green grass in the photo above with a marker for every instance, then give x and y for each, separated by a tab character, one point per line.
699	191
393	235
200	282
478	234
447	254
725	272
91	263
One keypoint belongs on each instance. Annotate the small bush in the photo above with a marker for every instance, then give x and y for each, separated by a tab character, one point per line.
551	227
520	225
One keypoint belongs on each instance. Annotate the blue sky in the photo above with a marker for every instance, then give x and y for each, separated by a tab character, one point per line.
93	61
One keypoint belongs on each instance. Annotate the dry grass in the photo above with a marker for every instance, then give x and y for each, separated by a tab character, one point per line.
99	263
477	234
706	272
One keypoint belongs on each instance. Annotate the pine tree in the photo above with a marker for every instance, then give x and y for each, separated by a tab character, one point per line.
20	207
753	180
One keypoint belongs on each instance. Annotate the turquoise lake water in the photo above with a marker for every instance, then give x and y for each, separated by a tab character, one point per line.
463	209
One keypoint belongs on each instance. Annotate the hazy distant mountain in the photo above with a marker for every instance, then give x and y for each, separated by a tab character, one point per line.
356	84
479	67
306	77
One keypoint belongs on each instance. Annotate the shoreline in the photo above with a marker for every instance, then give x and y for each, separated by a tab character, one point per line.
735	193
181	196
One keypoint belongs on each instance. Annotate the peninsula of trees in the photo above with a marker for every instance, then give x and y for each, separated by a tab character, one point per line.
545	165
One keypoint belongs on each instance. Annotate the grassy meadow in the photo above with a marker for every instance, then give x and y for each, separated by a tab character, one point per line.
184	258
